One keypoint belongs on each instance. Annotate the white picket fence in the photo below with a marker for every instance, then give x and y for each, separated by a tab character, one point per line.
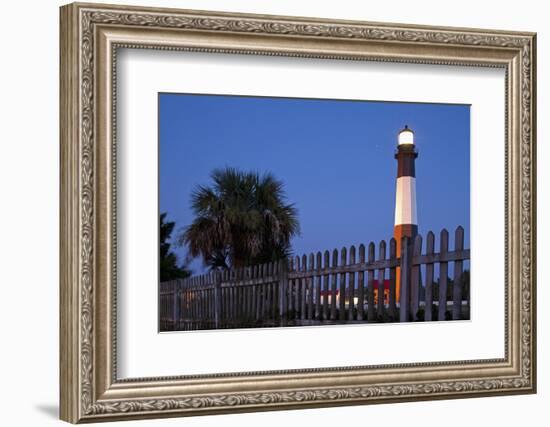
347	286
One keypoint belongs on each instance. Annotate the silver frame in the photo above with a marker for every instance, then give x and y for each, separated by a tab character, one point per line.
90	36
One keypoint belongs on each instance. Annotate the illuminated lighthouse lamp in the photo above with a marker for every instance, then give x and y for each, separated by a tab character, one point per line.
406	136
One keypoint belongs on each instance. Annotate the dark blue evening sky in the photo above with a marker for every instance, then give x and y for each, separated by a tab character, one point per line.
336	159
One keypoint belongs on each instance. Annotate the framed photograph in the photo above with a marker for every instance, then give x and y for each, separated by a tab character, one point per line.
266	212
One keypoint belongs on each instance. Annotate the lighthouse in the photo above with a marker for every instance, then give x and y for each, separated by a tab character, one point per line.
406	222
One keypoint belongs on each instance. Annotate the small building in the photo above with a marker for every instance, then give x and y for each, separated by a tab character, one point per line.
329	294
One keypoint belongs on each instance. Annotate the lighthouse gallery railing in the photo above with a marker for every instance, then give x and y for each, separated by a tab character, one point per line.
346	286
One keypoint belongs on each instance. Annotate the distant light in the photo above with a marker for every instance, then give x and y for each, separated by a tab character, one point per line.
406	136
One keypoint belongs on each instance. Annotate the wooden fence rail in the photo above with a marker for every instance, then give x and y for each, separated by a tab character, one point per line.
323	288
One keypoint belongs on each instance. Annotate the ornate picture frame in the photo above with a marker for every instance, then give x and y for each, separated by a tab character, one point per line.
90	37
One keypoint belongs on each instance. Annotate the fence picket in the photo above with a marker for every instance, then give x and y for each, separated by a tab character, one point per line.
260	294
351	285
405	288
392	308
240	302
202	299
370	285
197	300
269	293
192	299
274	288
457	280
361	285
291	288
381	280
318	281
174	307
233	299
248	302
253	301
443	248
297	290
326	285
342	291
303	290
428	299
333	285
275	300
283	290
415	278
310	284
210	300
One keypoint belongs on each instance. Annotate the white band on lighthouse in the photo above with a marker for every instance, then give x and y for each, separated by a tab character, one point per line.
405	201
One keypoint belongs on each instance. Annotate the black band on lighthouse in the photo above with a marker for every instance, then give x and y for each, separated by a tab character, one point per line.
409	230
405	160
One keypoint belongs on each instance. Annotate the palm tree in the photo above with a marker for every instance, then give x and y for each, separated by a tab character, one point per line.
168	262
241	219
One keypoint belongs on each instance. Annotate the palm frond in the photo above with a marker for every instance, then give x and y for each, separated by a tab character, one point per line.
242	218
